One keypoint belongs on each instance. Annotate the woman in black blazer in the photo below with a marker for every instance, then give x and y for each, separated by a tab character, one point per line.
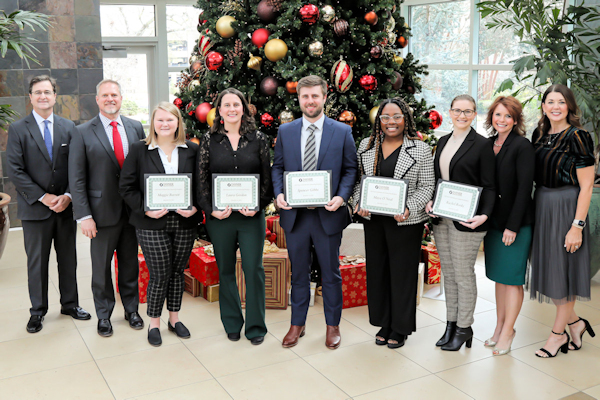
508	240
166	237
462	156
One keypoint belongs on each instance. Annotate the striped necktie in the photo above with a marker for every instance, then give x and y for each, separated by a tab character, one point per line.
310	151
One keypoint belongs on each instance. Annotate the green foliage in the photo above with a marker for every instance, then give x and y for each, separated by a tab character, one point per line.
353	48
11	37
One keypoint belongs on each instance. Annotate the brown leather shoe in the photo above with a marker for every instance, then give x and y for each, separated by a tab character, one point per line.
291	339
333	337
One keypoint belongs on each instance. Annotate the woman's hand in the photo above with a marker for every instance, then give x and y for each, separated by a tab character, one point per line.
362	212
157	213
187	213
222	214
247	213
573	239
508	237
475	221
402	217
429	209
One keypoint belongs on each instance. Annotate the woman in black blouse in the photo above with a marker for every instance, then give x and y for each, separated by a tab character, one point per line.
560	255
234	146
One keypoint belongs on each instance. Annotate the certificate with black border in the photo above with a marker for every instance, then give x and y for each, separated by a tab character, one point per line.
169	191
307	188
384	196
456	201
236	191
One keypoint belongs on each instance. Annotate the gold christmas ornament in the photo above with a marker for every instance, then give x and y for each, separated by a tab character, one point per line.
390	24
193	59
398	60
286	116
193	84
327	13
315	49
275	49
224	26
210	117
391	37
373	114
255	62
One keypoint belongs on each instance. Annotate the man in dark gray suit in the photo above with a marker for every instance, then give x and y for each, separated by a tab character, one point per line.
38	153
97	153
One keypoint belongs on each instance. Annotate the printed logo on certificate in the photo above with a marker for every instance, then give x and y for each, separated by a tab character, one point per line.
169	191
456	201
236	191
307	188
385	196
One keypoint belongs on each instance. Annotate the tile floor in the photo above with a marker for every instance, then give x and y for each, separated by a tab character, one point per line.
68	360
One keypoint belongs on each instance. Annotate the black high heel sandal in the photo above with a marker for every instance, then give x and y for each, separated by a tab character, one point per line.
385	334
399	338
564	348
588	329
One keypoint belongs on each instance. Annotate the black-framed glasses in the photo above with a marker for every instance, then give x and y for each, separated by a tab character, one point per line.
386	118
457	111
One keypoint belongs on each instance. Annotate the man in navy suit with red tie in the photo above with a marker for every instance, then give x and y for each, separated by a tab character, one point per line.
315	142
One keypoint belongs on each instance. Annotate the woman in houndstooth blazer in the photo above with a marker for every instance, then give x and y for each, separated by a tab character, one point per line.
393	244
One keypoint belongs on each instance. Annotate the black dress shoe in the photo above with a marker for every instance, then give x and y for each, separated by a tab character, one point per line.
154	337
234	337
461	335
180	330
105	328
450	328
257	340
35	323
76	313
135	321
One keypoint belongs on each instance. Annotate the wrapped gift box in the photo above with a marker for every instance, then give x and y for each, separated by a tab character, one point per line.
354	284
143	278
192	286
210	293
277	279
269	222
278	230
431	258
204	267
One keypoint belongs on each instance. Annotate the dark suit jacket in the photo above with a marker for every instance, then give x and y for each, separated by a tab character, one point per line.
515	168
473	164
30	168
337	153
94	171
142	161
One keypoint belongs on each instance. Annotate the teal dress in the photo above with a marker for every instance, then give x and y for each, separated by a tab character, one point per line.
507	264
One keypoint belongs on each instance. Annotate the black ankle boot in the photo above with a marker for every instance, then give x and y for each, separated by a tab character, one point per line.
461	335
450	328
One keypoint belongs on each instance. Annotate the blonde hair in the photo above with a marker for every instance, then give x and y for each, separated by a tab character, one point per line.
179	137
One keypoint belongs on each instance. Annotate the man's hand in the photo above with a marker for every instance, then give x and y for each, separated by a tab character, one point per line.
156	214
49	200
222	214
88	227
187	213
60	203
281	203
334	203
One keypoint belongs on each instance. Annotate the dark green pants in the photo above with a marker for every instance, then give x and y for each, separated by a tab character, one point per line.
249	232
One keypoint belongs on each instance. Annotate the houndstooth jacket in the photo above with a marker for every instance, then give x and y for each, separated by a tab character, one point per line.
415	163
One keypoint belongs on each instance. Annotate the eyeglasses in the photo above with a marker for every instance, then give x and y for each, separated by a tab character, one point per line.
457	111
386	118
46	92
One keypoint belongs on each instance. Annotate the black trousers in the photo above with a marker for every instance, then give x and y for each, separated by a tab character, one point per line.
393	254
38	237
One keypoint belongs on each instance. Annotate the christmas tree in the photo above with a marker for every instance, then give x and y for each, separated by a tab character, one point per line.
264	47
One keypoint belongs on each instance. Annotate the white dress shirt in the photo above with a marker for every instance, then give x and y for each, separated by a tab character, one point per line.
305	134
109	132
171	167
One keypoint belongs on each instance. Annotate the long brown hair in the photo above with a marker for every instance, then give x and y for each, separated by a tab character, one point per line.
515	109
572	116
248	124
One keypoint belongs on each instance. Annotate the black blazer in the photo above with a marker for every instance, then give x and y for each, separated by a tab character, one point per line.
142	161
473	164
30	169
515	168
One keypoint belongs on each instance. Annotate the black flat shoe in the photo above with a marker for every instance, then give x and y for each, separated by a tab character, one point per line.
588	329
76	313
461	335
450	329
105	328
135	321
398	338
154	337
563	347
180	330
257	340
383	333
35	323
234	337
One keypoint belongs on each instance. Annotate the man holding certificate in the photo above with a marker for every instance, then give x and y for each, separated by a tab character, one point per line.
314	171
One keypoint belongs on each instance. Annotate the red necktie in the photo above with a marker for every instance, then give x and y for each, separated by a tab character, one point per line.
118	144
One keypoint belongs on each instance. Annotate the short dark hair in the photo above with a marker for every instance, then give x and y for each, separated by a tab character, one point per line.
248	124
42	78
311	81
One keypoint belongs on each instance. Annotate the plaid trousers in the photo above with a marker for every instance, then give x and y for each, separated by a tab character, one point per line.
166	252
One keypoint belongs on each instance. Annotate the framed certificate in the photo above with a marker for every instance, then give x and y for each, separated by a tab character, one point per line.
456	201
236	191
385	196
307	188
170	191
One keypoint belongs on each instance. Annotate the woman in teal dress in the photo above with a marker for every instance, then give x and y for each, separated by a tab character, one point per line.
508	241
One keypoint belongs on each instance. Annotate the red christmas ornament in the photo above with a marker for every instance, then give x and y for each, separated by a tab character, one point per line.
202	111
204	44
341	76
266	119
435	117
214	60
309	14
368	82
402	42
200	20
260	37
178	103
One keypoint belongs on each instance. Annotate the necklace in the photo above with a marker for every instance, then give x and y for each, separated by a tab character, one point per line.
498	144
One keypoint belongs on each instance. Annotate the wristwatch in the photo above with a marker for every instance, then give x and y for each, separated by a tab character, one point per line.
578	223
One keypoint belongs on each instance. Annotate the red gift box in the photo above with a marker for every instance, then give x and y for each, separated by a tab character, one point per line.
270	221
204	267
143	278
354	284
431	258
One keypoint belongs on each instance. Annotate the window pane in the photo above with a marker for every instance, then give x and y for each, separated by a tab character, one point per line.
128	20
174	78
440	87
181	34
499	46
441	32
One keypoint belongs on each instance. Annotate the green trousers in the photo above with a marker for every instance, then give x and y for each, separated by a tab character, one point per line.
249	233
